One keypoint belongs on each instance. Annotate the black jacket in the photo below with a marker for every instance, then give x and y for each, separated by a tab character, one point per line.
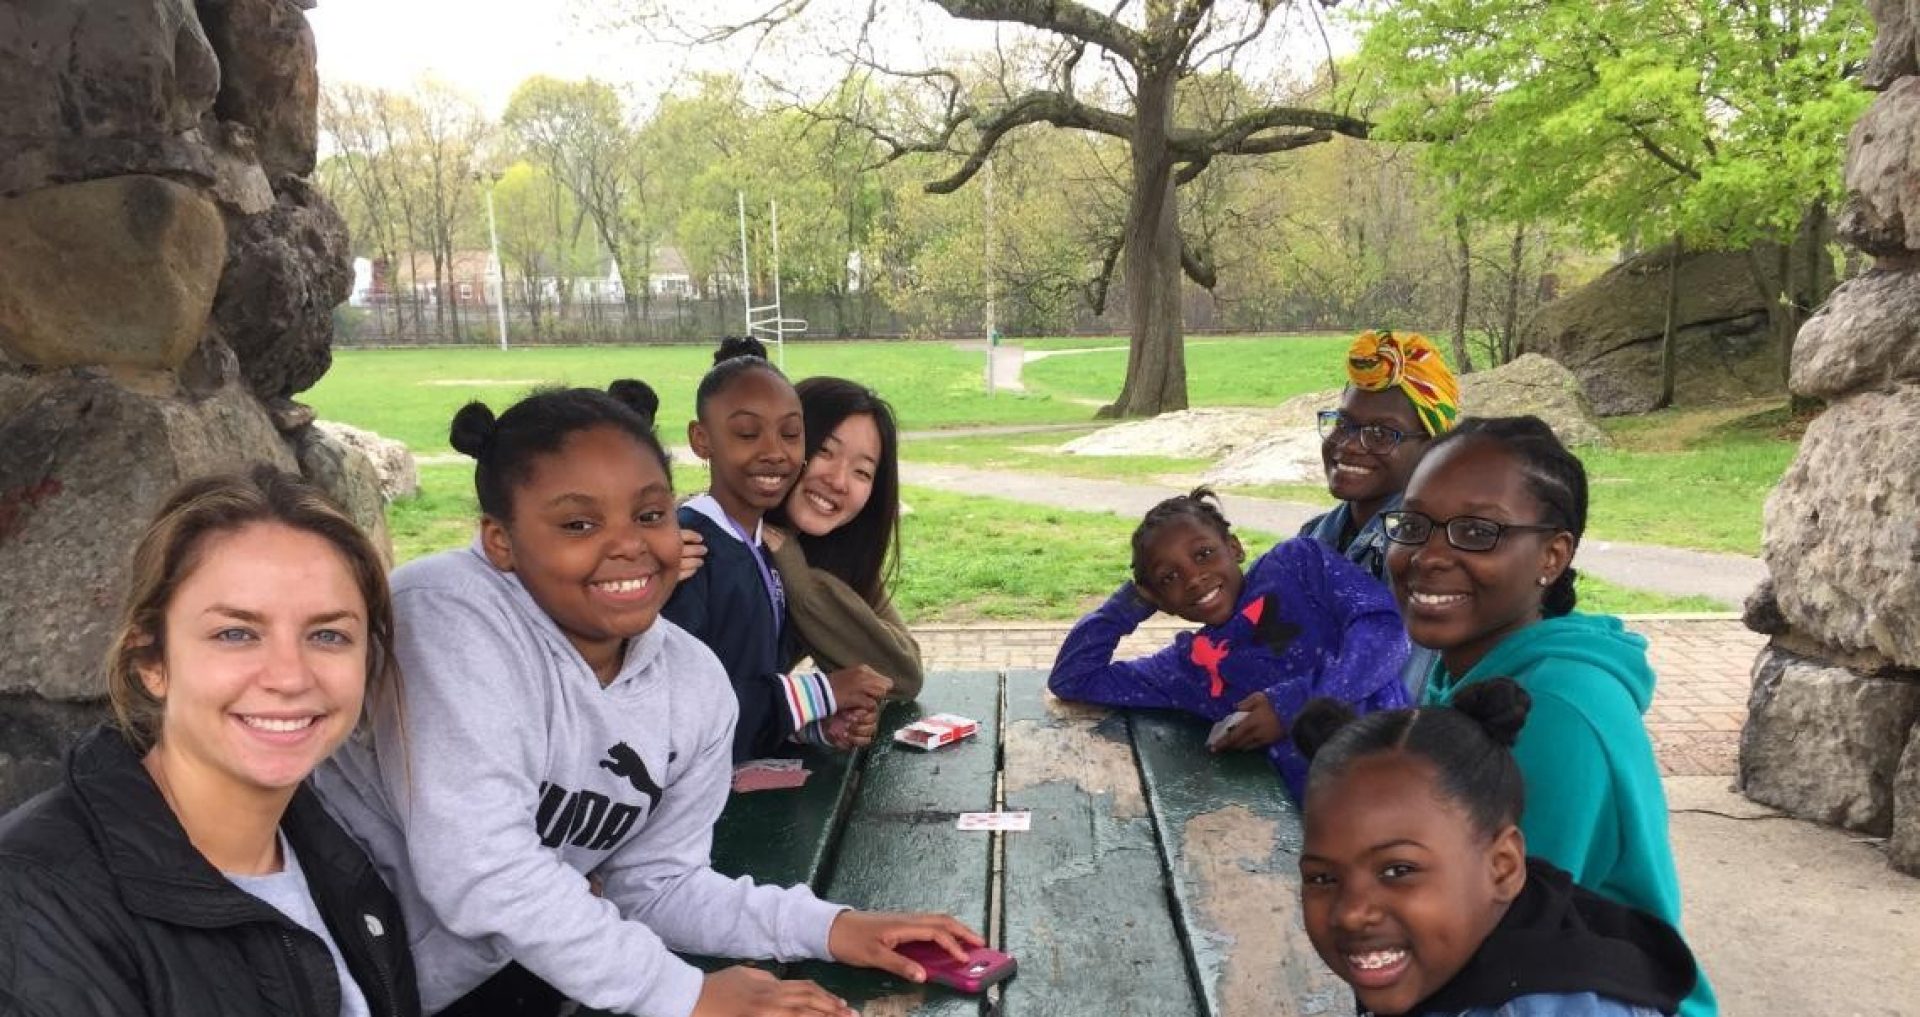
107	909
725	606
1557	937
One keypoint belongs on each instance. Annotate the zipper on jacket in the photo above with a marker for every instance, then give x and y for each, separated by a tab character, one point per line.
379	968
302	989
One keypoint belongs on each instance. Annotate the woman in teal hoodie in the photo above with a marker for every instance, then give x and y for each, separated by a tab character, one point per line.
1481	560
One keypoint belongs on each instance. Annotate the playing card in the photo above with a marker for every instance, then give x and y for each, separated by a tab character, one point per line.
1227	723
768	775
1002	821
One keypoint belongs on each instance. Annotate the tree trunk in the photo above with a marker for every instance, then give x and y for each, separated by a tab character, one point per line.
1510	316
1668	357
1156	358
1462	359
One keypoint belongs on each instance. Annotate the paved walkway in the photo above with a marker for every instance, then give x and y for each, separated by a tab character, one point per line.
1727	578
1699	705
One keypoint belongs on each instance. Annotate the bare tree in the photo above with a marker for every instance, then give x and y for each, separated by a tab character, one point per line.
1117	72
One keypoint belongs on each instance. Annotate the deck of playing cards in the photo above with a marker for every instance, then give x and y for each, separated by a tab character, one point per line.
940	729
768	775
1003	821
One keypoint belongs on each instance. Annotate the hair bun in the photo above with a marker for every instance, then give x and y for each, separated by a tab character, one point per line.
637	396
1498	705
739	346
1318	722
472	429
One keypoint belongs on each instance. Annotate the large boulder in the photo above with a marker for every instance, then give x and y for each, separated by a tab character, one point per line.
97	90
391	459
346	474
118	272
83	464
1533	385
1903	848
1881	215
1841	539
1893	55
1866	335
1823	743
286	270
128	70
268	78
1190	434
1608	333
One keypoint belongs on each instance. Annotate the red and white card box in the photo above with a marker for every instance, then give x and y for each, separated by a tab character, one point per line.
940	729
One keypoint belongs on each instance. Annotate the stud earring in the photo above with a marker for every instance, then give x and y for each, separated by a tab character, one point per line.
1542	581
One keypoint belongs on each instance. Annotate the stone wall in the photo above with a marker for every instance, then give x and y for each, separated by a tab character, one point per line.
1834	727
167	279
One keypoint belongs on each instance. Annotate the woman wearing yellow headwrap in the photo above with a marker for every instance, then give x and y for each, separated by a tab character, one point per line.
1400	394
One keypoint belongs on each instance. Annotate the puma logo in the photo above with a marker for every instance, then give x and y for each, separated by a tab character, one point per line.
624	762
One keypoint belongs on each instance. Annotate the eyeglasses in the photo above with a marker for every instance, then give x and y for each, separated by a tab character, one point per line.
1468	533
1379	439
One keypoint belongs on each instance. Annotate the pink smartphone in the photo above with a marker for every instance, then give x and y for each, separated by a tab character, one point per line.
983	967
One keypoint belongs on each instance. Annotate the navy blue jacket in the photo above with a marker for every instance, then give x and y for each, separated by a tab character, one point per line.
725	606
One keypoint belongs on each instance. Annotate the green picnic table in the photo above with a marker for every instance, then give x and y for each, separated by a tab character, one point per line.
1158	879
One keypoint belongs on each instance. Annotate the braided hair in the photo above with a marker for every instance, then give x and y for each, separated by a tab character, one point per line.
1200	505
1467	743
1554	476
504	448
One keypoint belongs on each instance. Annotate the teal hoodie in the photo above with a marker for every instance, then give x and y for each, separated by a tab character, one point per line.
1595	806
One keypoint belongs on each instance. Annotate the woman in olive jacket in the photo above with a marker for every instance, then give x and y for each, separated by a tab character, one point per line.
182	867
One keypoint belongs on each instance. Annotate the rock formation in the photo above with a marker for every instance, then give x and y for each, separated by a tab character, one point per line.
1609	331
1834	726
167	276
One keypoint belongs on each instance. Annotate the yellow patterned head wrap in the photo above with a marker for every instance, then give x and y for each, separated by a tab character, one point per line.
1378	361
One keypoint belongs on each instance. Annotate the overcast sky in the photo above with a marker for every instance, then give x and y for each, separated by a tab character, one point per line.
487	47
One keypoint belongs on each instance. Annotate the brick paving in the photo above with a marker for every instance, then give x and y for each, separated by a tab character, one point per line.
1699	705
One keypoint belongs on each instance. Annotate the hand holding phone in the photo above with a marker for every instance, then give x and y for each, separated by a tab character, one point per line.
982	968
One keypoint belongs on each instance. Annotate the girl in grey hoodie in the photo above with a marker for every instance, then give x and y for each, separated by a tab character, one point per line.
556	733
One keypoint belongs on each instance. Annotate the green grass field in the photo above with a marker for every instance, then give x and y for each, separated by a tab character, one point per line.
1693	478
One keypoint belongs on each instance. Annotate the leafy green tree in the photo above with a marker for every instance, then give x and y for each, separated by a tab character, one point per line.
1719	123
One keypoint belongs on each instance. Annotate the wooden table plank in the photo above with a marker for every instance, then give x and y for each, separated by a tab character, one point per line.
1085	891
1232	838
784	836
900	850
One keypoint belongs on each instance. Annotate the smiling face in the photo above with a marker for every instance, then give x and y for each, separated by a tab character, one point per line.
1463	603
838	479
1192	571
594	540
1367	479
263	667
1397	887
753	437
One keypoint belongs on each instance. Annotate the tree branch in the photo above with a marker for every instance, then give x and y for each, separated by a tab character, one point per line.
1241	135
1198	264
1056	108
1097	286
1062	16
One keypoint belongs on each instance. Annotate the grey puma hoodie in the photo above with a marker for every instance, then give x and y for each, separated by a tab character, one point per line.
518	776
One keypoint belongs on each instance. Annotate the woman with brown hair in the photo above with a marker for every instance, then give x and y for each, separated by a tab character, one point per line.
182	866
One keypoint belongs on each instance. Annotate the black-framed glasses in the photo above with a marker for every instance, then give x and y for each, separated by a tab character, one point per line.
1379	439
1468	533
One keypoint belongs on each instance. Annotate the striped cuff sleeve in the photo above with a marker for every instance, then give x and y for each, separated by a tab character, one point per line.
809	697
813	734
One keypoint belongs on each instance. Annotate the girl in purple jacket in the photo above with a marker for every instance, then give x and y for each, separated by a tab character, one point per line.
1302	622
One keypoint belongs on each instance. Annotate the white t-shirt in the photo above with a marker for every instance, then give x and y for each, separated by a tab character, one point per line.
286	891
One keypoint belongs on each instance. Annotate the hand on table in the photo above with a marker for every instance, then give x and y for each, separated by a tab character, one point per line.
1262	727
867	939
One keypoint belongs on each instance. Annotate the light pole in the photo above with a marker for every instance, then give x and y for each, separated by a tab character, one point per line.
499	267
